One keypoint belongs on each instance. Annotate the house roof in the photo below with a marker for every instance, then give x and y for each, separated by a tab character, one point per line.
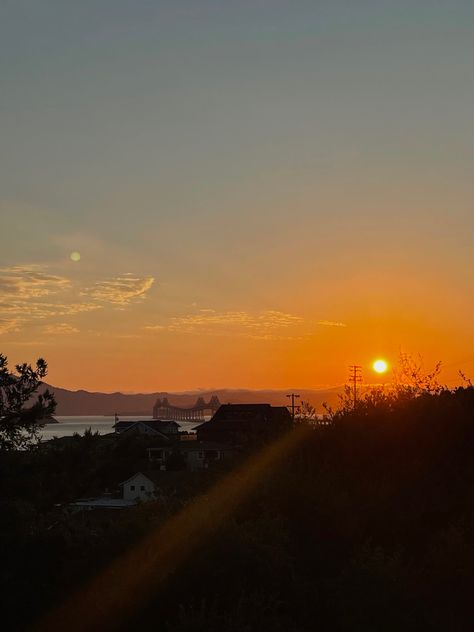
165	422
124	426
129	480
241	416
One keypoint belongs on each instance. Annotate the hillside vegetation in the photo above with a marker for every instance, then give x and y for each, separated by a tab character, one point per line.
364	523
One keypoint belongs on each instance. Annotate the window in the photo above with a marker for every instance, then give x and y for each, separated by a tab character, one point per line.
142	488
132	488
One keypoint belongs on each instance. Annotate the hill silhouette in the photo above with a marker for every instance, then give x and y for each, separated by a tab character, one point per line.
83	402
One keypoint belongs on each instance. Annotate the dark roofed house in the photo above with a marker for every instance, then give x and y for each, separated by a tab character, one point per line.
156	429
167	426
193	455
241	424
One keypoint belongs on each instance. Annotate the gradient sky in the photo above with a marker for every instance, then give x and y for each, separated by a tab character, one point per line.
262	192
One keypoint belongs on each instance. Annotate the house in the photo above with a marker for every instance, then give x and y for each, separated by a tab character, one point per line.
241	424
136	489
168	427
157	429
190	455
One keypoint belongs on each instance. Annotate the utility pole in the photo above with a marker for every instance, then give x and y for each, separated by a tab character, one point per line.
355	377
293	396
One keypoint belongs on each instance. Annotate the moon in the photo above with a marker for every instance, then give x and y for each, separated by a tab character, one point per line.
75	256
380	366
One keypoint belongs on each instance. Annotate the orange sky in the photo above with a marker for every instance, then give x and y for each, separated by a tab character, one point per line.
261	193
111	335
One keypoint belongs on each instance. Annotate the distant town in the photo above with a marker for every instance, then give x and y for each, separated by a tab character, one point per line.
232	429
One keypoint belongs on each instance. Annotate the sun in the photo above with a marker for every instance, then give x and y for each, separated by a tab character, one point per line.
75	256
380	366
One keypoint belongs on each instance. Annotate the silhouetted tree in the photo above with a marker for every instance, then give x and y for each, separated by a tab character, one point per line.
20	420
411	377
307	414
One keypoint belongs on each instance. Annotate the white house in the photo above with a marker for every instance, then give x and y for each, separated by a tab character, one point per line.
138	488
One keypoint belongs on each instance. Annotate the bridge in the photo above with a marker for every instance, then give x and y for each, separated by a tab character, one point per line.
201	409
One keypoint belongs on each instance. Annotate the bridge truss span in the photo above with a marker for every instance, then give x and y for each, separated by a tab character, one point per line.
201	409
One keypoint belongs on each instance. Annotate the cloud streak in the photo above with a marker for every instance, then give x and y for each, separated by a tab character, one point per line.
30	293
330	323
121	290
265	325
26	282
60	329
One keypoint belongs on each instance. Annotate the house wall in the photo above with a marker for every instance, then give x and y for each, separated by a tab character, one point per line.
139	487
158	454
200	459
194	459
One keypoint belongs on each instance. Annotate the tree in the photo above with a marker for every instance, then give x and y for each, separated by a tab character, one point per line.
307	414
412	379
21	417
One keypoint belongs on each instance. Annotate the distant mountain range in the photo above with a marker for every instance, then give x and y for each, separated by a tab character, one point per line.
88	403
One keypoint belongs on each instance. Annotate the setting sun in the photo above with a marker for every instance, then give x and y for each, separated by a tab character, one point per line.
380	366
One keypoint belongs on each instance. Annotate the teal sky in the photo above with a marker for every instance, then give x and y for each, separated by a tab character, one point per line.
313	159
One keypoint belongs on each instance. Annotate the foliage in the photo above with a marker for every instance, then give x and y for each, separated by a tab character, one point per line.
412	379
20	420
306	414
367	525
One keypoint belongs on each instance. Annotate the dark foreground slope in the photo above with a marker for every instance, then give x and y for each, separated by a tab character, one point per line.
363	525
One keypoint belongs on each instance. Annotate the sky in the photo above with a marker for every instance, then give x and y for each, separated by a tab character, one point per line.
261	192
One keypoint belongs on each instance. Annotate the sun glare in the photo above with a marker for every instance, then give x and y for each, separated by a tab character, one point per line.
380	366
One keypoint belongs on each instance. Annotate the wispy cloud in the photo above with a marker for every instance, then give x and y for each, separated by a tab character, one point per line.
9	324
121	290
30	293
39	310
263	325
330	323
269	324
207	317
26	282
60	329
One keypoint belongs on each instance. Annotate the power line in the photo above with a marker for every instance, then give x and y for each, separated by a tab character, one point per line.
293	396
355	377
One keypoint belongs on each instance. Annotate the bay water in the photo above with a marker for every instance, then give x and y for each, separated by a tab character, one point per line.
68	425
